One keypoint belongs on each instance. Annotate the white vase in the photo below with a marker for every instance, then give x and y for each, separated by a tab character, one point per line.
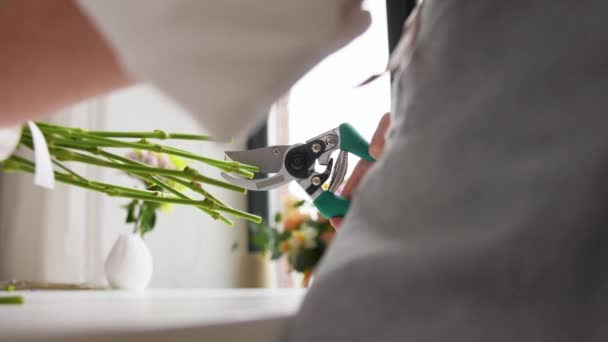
129	265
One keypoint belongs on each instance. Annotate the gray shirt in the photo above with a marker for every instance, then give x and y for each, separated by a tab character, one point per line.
486	220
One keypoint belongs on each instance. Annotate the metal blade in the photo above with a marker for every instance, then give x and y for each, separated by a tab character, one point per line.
339	171
268	159
263	184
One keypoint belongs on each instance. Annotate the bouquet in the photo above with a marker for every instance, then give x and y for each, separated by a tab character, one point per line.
173	182
166	177
297	235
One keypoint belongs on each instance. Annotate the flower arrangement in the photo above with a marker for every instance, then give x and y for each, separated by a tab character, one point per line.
178	184
166	177
297	235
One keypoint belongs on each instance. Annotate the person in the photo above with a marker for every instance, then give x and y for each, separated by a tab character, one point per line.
231	59
484	218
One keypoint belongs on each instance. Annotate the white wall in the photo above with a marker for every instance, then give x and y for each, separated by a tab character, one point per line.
189	248
44	234
65	234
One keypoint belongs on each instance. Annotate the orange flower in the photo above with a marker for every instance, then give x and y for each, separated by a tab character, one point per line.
285	247
293	220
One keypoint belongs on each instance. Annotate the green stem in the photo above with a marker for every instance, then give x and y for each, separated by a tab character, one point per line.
222	206
68	170
157	134
91	142
11	300
227	166
196	187
152	179
187	173
16	163
230	167
239	213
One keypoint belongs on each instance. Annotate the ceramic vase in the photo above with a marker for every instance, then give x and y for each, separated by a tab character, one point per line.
129	265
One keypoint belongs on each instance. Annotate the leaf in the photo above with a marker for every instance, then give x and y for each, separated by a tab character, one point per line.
278	217
299	203
260	237
307	259
276	254
277	239
147	219
261	241
178	162
284	235
131	211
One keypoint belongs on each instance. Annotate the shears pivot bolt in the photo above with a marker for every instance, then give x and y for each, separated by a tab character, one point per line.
316	181
316	148
330	140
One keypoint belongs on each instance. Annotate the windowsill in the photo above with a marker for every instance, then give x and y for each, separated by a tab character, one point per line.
153	315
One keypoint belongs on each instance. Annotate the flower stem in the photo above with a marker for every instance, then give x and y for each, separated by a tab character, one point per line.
78	136
68	170
11	300
63	140
157	134
15	163
153	179
188	173
196	187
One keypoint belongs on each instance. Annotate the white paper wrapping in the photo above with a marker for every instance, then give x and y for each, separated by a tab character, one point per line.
44	175
225	61
9	139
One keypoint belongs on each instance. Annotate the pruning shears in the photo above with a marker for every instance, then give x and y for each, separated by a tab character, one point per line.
297	163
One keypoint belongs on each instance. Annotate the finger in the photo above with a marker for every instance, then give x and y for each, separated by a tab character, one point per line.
376	146
353	182
336	222
362	167
351	186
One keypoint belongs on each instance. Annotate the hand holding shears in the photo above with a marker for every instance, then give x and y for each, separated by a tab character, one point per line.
297	163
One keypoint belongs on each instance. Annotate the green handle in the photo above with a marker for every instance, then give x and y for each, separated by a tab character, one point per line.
351	141
331	205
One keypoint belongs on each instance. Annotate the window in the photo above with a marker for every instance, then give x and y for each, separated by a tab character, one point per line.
328	95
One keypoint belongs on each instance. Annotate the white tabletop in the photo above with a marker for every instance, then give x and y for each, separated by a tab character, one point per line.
152	315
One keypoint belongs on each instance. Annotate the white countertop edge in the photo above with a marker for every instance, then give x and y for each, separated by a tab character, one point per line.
263	330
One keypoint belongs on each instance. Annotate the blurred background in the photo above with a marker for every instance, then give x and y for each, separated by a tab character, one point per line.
65	235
